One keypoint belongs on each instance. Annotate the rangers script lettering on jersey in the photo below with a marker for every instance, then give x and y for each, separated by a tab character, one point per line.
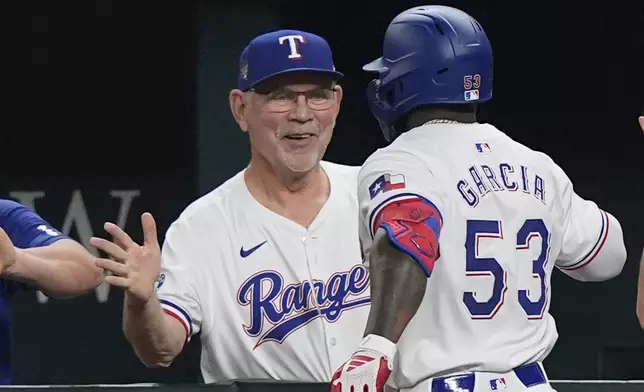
288	308
271	299
509	216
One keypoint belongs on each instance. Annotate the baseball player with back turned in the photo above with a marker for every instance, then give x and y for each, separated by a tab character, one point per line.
464	225
268	266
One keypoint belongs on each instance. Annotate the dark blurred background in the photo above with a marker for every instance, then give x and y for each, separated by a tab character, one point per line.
127	112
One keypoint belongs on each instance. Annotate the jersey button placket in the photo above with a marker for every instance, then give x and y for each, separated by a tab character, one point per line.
311	245
328	327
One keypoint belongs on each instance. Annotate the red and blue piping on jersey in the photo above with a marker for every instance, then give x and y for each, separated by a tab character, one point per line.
413	225
177	312
594	251
288	308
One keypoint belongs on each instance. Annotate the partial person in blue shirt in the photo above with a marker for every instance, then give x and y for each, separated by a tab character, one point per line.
34	255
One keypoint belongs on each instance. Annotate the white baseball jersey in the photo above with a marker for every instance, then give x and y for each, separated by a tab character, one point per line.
508	214
272	299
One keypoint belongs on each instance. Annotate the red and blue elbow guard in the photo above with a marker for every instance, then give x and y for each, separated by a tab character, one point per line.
413	225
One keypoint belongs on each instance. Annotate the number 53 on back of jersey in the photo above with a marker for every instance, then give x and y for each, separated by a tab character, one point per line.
492	230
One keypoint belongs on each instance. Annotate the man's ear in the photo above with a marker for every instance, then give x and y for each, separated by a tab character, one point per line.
338	98
238	103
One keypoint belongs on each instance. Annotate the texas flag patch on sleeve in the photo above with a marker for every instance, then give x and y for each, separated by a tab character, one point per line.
385	183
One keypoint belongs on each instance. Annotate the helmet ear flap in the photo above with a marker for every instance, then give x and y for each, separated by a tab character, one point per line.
380	102
385	96
373	93
389	93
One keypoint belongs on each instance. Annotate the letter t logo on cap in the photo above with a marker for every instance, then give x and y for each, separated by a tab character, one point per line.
293	44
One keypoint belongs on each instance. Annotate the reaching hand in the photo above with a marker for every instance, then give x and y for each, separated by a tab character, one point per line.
642	122
8	252
368	369
135	267
364	372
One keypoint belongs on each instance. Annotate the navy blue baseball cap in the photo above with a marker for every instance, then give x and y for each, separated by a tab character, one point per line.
281	52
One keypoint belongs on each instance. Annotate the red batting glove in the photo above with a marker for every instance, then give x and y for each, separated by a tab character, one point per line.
368	369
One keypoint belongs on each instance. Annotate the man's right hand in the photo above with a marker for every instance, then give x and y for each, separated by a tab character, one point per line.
135	267
642	122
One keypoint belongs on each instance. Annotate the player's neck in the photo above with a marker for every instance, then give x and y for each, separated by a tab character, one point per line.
285	183
421	117
296	196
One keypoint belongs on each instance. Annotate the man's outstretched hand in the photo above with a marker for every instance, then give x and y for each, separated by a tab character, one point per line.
135	267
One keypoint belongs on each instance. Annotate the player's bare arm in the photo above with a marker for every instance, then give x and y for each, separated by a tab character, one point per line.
61	269
640	283
401	258
397	288
640	286
156	337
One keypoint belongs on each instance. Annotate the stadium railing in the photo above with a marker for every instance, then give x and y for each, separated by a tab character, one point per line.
263	386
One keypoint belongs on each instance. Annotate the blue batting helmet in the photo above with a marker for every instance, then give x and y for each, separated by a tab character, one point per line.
431	55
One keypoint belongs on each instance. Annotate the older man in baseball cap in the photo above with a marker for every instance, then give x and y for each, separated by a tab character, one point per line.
287	100
268	266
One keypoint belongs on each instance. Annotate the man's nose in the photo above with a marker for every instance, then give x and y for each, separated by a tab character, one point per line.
302	112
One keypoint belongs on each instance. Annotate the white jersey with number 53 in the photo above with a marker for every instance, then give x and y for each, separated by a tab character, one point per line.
507	216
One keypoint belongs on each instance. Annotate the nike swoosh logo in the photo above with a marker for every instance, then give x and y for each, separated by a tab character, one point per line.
246	253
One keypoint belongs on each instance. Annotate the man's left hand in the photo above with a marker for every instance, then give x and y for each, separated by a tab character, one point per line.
368	369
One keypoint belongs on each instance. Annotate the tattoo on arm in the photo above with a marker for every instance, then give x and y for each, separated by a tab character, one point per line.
397	288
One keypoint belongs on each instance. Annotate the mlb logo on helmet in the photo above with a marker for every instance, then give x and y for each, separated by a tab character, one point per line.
472	95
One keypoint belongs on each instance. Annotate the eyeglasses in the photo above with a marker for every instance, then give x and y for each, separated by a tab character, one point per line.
283	100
